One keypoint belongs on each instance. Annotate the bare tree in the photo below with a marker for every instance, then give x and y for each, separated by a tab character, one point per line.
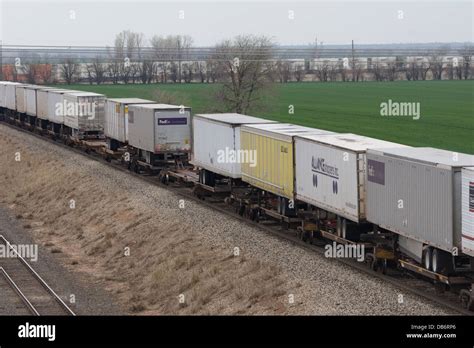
391	71
45	73
424	66
99	70
114	71
212	71
299	73
322	70
332	72
162	52
283	69
357	70
69	70
134	72
30	71
200	68
184	44
174	72
14	73
188	72
467	52
377	70
341	69
246	71
436	63
127	48
90	74
411	70
173	48
147	70
449	70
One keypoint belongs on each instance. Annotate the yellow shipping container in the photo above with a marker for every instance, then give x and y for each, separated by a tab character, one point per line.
272	147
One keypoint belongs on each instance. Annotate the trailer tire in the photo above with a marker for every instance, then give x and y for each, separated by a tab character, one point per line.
441	262
427	257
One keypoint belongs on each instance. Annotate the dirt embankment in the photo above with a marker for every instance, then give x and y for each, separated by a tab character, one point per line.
149	256
134	240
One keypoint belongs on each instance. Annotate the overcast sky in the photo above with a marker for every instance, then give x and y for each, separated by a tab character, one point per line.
68	22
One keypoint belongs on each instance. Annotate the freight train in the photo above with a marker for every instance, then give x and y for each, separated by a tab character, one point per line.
411	207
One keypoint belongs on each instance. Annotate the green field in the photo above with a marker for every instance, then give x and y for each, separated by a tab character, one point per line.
447	107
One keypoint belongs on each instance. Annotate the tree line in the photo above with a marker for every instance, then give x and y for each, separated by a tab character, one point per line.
245	66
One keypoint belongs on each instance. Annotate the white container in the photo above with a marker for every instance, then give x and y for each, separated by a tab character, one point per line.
3	91
20	94
116	117
30	99
330	172
416	192
55	111
224	130
159	128
467	192
42	102
10	95
56	105
84	111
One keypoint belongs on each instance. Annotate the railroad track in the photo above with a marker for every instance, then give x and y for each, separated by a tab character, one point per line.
404	281
24	289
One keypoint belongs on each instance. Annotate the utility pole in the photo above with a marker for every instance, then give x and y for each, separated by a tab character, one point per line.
179	58
1	60
353	62
316	46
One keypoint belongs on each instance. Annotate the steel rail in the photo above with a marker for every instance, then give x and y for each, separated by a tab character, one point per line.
283	235
41	281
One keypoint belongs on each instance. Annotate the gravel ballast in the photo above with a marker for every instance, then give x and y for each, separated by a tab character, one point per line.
278	277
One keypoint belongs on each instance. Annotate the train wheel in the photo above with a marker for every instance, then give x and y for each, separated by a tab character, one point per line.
298	233
384	266
427	257
257	215
304	236
164	180
375	265
253	214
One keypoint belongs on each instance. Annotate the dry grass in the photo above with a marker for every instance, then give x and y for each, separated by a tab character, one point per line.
166	258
